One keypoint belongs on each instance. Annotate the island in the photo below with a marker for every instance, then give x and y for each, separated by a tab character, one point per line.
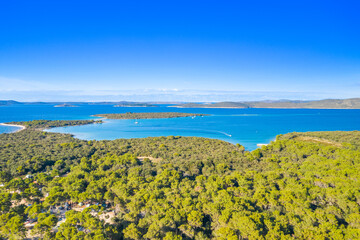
212	105
149	115
74	104
134	104
352	103
65	105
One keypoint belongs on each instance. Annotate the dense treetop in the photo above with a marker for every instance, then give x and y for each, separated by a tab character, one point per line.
302	186
43	124
336	138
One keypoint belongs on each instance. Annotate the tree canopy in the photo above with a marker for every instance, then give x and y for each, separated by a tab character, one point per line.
302	186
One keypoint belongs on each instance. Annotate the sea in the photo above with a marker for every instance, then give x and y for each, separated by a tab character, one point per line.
248	127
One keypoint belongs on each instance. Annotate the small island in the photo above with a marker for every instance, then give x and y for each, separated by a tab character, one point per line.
65	105
212	105
134	104
148	115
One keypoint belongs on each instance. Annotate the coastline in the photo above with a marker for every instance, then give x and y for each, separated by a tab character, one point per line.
209	107
147	115
271	108
21	127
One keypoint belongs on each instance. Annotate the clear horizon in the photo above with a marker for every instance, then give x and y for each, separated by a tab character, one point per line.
171	51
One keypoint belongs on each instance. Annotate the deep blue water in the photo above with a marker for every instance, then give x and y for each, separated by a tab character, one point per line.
245	126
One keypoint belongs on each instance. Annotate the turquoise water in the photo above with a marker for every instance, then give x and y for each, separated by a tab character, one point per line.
245	126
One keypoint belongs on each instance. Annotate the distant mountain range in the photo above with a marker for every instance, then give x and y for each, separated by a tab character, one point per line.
74	104
351	103
8	102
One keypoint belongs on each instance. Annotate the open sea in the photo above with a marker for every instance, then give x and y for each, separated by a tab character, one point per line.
247	127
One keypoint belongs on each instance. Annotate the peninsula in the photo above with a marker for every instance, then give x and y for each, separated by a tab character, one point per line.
148	115
44	124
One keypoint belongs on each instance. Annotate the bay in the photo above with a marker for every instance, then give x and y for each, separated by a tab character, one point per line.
247	127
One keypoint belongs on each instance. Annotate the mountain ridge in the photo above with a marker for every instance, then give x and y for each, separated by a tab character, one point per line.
351	103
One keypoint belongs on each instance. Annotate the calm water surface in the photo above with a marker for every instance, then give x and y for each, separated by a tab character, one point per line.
245	126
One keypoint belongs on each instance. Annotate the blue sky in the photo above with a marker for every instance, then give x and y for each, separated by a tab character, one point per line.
115	50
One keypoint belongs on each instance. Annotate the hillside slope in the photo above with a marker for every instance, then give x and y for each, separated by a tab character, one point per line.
179	187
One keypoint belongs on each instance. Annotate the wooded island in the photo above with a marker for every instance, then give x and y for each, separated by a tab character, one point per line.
148	115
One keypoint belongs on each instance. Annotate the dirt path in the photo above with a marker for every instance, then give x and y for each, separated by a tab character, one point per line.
318	140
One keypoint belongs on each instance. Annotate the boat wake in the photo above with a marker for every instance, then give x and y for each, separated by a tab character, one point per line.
226	134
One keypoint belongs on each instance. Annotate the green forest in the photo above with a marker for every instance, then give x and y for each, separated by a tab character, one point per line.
301	186
43	124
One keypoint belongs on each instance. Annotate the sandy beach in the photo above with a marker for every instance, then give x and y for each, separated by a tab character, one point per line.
21	127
